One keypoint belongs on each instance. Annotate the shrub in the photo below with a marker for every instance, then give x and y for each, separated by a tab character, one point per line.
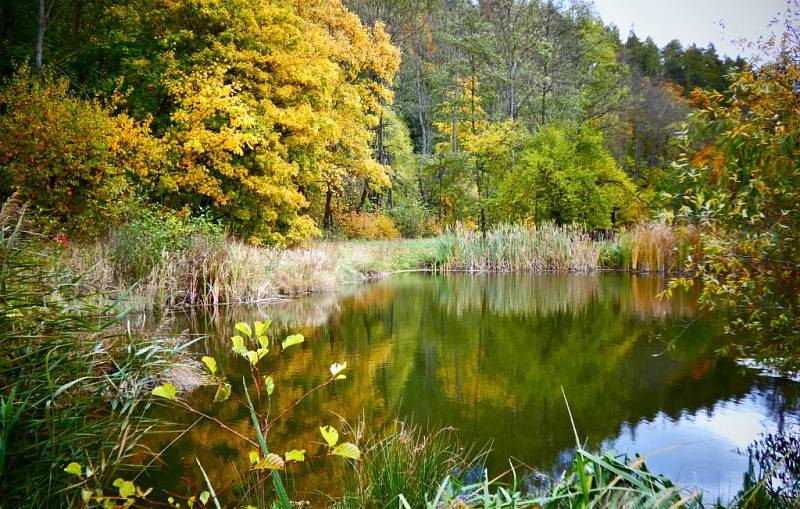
413	220
140	244
403	462
369	226
74	161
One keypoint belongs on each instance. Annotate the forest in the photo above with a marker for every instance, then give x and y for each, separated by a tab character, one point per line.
160	157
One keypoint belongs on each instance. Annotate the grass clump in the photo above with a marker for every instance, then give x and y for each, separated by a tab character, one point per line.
404	463
72	383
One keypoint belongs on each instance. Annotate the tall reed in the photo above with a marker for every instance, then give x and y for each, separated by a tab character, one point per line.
71	377
516	248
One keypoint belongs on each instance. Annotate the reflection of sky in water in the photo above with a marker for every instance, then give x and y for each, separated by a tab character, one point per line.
706	450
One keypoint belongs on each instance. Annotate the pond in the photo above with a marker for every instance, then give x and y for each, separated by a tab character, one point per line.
489	355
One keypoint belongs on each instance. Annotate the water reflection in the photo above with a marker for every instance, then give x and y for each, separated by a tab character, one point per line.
489	355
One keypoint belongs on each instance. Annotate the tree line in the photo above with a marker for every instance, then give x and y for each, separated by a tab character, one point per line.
282	119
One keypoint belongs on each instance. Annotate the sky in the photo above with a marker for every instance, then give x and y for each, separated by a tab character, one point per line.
720	22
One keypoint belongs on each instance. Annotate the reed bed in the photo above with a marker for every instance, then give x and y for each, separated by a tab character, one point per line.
517	248
205	268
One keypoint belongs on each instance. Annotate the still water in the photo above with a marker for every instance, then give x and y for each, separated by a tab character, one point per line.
489	356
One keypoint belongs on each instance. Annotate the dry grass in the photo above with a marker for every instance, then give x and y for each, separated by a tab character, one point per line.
208	272
516	248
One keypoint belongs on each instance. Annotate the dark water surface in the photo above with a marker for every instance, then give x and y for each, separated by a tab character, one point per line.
489	355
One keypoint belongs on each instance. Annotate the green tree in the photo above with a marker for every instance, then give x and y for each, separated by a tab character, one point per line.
565	174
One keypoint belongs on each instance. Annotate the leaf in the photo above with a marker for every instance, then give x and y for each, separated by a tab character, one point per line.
86	495
270	462
223	393
74	469
252	356
329	434
264	342
296	455
238	345
269	385
347	450
166	391
244	329
204	496
126	488
262	352
254	457
261	327
294	339
211	364
337	368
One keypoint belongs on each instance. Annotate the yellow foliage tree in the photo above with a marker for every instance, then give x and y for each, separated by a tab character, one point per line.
269	105
71	158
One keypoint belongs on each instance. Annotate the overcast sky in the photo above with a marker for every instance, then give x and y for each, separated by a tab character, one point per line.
692	21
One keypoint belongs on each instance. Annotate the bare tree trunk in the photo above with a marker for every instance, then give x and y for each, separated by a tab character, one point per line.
363	199
77	7
327	219
40	35
420	105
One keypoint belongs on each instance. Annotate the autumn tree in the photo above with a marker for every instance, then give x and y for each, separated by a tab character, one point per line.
71	158
741	181
266	107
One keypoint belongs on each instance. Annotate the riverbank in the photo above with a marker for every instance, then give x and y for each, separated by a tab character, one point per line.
210	269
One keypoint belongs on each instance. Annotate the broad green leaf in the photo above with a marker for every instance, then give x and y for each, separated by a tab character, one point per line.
223	393
264	342
238	345
262	352
74	469
254	457
86	495
296	455
190	501
126	488
340	377
347	450
269	385
271	462
252	356
261	327
330	435
337	368
294	339
166	391
244	329
211	364
204	496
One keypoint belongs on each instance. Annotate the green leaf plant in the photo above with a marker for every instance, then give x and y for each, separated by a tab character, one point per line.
252	345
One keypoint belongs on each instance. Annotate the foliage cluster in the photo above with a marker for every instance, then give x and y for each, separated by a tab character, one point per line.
252	110
144	241
741	177
75	161
368	226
